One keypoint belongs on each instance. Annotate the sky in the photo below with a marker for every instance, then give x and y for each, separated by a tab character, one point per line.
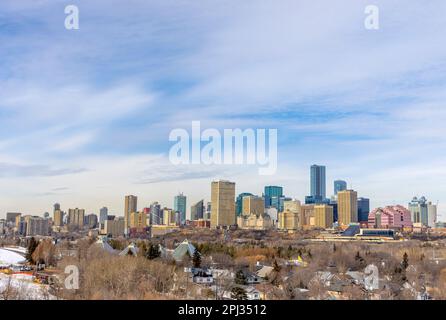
85	115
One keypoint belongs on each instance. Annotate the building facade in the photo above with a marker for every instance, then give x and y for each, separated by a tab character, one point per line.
130	205
179	205
76	217
390	217
323	216
222	204
347	207
197	211
317	181
363	209
339	185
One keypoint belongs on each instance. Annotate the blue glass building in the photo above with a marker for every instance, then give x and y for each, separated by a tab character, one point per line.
339	185
363	209
317	182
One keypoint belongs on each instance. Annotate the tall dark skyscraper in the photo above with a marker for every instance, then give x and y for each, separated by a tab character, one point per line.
317	181
339	185
363	209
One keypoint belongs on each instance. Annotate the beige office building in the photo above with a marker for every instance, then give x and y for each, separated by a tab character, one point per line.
170	217
253	205
138	220
323	216
347	207
114	228
131	204
307	216
223	204
76	217
36	226
58	218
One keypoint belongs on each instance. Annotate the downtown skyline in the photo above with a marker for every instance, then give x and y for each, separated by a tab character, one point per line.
86	114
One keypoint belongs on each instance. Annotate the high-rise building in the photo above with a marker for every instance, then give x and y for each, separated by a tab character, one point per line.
306	217
239	202
317	181
170	217
223	204
208	211
114	228
363	209
138	220
91	220
156	214
56	206
131	205
323	216
179	205
197	211
11	216
36	226
419	211
347	207
58	218
272	195
339	185
103	214
76	217
253	205
431	214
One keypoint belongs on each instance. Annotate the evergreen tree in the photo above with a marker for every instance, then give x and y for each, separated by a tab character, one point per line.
32	246
240	278
153	252
239	293
196	259
276	266
405	262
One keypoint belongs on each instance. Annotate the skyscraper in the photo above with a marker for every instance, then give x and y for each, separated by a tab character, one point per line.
223	204
197	211
156	214
431	214
129	207
239	202
103	214
271	195
253	205
339	185
179	205
323	216
58	218
317	181
347	207
418	210
76	217
363	209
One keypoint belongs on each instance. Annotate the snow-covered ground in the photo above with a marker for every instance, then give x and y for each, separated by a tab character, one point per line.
10	257
22	287
17	249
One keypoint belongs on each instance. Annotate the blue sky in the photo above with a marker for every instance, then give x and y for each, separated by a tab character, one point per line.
85	114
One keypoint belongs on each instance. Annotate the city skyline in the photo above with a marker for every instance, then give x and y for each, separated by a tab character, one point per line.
339	95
